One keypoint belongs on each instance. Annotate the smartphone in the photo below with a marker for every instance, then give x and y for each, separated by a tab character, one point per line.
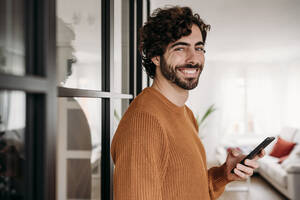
257	149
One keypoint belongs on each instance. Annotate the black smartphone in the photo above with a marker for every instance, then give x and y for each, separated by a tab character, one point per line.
257	149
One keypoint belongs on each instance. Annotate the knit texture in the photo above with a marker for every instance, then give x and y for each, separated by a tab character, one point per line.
158	155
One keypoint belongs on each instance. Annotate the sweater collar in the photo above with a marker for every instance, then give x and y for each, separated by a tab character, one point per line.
166	101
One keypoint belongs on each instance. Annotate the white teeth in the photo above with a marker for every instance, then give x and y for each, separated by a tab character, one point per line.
190	71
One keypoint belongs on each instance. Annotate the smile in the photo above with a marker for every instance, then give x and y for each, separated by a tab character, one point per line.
189	72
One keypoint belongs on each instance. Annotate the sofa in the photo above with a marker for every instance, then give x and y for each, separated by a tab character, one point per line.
285	176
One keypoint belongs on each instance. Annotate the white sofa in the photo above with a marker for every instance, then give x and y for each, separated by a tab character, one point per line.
285	177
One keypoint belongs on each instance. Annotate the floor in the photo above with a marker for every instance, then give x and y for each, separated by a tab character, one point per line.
260	189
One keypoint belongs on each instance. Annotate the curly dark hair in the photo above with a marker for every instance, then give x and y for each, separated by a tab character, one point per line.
163	27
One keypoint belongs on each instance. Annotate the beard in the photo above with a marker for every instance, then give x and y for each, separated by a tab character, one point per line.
171	74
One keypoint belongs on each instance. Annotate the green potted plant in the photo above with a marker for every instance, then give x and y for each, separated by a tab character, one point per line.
201	121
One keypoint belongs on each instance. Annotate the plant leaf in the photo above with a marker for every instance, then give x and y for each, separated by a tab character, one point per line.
210	110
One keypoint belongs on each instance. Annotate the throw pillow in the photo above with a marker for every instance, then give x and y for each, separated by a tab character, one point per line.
283	158
293	158
282	148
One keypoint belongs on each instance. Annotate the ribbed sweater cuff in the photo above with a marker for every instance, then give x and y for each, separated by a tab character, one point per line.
219	177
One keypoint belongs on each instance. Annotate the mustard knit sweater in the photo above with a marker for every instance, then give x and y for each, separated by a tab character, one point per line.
158	155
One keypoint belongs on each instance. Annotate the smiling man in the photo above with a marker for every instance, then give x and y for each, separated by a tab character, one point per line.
156	150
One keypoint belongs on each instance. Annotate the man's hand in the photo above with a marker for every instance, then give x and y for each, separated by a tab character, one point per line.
241	172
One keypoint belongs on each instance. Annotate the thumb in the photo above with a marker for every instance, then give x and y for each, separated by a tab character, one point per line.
235	152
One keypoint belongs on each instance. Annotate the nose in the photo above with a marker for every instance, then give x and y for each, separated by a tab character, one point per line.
192	57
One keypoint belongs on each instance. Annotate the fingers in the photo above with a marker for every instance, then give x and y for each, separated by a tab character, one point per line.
260	155
243	172
240	174
235	152
251	163
246	170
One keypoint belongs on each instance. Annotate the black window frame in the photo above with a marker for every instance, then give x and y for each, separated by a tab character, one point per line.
106	94
42	92
39	84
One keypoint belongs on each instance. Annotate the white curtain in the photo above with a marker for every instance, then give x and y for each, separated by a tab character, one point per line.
12	110
251	98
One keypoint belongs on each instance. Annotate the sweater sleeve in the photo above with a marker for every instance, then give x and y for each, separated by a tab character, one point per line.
216	181
139	151
216	177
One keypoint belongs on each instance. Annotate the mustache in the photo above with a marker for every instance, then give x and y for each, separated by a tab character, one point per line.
196	66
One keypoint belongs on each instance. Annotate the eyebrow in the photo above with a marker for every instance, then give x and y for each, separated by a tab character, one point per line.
186	44
199	43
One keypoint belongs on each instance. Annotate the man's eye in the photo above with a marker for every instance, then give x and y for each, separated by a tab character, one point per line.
200	49
178	49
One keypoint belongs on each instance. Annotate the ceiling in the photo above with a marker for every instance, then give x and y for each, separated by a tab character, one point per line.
248	31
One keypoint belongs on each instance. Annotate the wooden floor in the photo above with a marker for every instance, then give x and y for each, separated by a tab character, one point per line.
260	189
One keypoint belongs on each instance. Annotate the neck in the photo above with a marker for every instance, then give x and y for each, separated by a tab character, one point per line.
171	91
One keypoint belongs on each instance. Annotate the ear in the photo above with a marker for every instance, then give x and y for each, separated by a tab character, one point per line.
156	60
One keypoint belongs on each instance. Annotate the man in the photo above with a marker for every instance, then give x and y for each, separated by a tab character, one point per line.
156	150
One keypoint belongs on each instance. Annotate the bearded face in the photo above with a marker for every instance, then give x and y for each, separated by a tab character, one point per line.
184	76
182	61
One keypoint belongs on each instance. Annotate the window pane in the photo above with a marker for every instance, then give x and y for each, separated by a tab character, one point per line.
79	43
121	46
79	148
120	106
12	50
12	142
145	80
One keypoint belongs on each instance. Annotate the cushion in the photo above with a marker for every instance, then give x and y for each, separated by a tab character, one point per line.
283	158
293	158
277	173
269	166
296	138
296	150
282	148
266	162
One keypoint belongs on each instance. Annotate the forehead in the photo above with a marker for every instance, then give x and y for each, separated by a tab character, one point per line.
193	38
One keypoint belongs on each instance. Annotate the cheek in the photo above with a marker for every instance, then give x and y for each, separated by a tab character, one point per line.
175	60
201	58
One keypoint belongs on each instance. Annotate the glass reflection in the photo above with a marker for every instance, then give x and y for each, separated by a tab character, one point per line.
120	107
12	48
79	148
121	47
79	43
12	142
